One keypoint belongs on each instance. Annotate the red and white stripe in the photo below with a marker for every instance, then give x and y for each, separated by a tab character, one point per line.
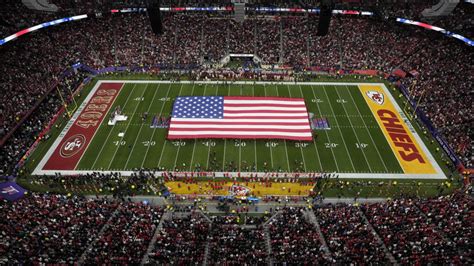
249	118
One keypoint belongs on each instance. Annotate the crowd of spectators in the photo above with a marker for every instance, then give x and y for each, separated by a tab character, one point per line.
231	244
55	229
127	236
50	229
139	182
409	235
295	239
29	130
181	241
348	236
192	39
453	214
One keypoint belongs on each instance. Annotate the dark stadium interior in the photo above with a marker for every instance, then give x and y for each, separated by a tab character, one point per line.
127	220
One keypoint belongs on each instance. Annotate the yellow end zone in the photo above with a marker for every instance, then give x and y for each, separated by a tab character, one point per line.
256	188
405	147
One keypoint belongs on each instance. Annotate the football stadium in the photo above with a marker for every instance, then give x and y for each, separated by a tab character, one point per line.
236	132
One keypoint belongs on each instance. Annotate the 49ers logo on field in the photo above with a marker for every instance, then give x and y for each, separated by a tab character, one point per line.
376	96
72	145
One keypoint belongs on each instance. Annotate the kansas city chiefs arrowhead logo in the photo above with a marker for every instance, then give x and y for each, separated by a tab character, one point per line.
72	145
376	96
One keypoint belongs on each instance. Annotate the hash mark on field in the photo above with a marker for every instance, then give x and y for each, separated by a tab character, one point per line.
154	129
126	129
340	132
140	130
110	132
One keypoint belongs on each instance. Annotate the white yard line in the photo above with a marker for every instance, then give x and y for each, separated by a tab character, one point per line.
438	175
414	132
286	148
255	141
63	133
97	130
240	142
353	130
225	140
179	147
314	142
111	129
166	141
209	150
126	129
271	150
301	148
327	134
340	132
194	148
140	130
154	130
367	128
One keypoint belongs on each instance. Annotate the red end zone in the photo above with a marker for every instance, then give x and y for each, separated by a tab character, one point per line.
69	151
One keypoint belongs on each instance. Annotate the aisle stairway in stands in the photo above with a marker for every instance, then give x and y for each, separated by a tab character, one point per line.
99	235
166	216
389	255
312	219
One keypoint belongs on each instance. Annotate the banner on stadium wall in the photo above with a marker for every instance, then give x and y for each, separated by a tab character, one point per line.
369	72
11	191
434	132
438	29
399	73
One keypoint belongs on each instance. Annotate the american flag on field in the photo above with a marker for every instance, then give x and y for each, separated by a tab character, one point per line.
239	118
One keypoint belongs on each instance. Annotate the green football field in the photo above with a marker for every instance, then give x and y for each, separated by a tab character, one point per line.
354	143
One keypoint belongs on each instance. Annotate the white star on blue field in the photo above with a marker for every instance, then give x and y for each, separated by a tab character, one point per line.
198	107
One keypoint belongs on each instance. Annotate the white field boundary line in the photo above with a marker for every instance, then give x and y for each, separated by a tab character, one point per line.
262	174
439	171
68	126
246	82
438	175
